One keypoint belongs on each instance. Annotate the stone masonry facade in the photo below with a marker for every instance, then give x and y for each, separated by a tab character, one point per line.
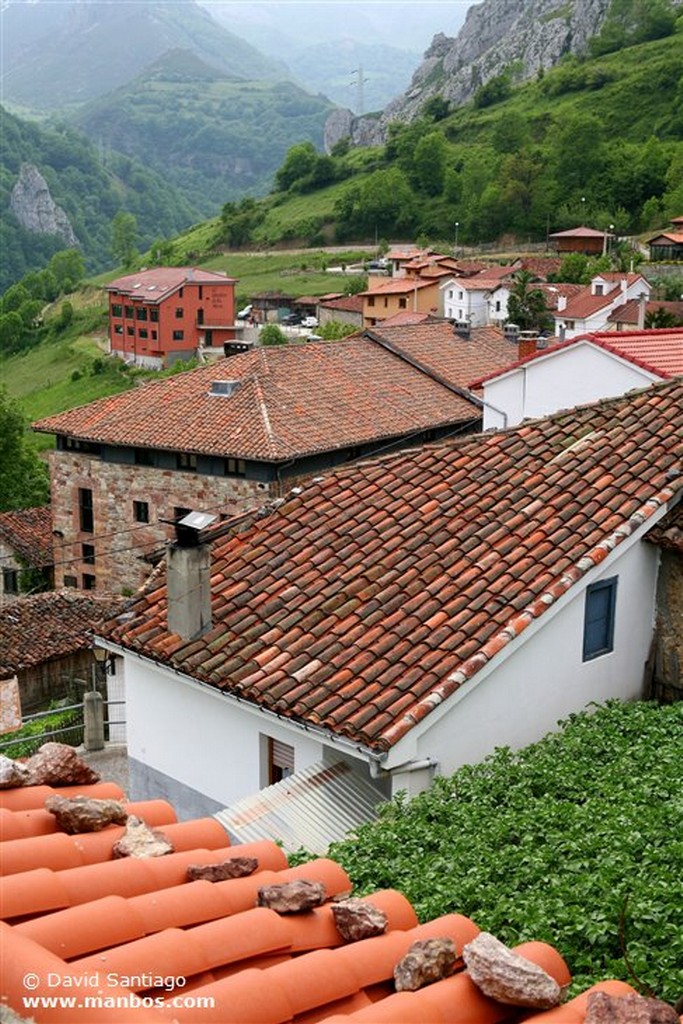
120	495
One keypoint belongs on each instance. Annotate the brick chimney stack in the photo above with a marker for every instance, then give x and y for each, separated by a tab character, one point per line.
526	345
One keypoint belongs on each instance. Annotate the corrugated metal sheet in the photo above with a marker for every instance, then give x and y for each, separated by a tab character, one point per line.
311	808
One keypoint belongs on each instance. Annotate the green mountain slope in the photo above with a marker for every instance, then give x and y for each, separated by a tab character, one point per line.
597	140
90	192
55	56
212	135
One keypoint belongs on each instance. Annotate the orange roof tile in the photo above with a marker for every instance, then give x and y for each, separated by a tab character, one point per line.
156	284
42	627
397	286
369	577
29	533
291	401
202	952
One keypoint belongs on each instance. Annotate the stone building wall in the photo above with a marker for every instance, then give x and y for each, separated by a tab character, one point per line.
119	540
665	669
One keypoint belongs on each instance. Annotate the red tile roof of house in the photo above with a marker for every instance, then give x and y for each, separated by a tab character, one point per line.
404	317
368	598
659	351
397	286
43	627
291	401
580	232
539	266
347	303
585	304
154	285
147	946
668	236
553	292
29	533
439	348
630	311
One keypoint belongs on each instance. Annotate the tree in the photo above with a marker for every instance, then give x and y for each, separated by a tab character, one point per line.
299	163
271	334
68	268
661	317
429	163
527	306
124	229
23	477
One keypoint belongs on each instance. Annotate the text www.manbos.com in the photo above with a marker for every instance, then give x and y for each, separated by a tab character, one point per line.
127	1002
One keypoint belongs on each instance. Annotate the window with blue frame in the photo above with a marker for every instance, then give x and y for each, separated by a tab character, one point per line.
598	627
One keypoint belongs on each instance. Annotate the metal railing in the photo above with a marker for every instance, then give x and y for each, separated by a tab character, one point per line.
65	724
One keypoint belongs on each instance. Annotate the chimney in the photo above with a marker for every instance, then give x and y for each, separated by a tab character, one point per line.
642	305
562	332
462	328
511	332
188	578
561	303
527	344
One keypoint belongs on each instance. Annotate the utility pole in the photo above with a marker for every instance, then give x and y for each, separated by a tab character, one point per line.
360	95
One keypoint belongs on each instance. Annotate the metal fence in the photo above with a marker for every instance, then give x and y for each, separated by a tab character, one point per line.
61	725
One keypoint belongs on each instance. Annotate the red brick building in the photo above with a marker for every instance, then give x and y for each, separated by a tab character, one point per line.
159	316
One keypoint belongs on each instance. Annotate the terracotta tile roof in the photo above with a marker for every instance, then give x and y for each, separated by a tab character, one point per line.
155	946
580	232
397	286
669	236
291	401
585	304
539	266
46	626
405	316
29	534
154	285
371	595
440	349
348	303
553	292
629	312
668	532
659	350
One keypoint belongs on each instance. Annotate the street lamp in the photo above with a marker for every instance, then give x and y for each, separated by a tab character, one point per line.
457	226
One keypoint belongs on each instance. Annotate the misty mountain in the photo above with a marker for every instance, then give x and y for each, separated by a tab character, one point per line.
57	55
210	134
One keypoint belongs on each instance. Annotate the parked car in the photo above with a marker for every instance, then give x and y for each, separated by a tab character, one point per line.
244	313
309	321
292	319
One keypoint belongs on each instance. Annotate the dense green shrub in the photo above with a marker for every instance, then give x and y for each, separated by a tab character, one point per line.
575	840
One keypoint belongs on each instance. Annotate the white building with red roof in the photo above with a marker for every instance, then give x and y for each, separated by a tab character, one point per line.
602	364
592	308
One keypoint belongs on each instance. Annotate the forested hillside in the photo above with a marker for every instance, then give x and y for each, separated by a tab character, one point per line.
597	140
89	189
214	136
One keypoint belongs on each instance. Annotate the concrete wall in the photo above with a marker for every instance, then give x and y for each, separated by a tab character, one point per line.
545	679
571	376
200	740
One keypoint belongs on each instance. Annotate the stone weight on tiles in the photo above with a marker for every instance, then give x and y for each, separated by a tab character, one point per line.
141	841
292	897
507	977
12	773
56	764
234	867
604	1008
358	919
427	961
81	814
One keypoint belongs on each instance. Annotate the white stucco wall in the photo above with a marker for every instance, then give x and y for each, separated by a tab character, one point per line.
562	379
545	678
198	737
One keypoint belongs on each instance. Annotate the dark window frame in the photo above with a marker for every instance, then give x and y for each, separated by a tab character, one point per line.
86	512
141	511
88	554
599	618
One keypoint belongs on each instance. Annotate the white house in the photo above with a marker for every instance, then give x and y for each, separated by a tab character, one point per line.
407	615
594	366
590	310
481	299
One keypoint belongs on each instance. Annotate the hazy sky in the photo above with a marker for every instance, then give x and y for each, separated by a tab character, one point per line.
409	24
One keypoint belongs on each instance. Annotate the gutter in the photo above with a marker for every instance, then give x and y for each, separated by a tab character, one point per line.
374	759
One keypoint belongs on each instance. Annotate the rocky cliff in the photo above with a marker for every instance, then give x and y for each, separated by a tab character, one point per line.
527	34
36	210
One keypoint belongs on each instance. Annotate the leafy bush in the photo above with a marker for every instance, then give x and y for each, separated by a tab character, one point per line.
575	840
68	724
